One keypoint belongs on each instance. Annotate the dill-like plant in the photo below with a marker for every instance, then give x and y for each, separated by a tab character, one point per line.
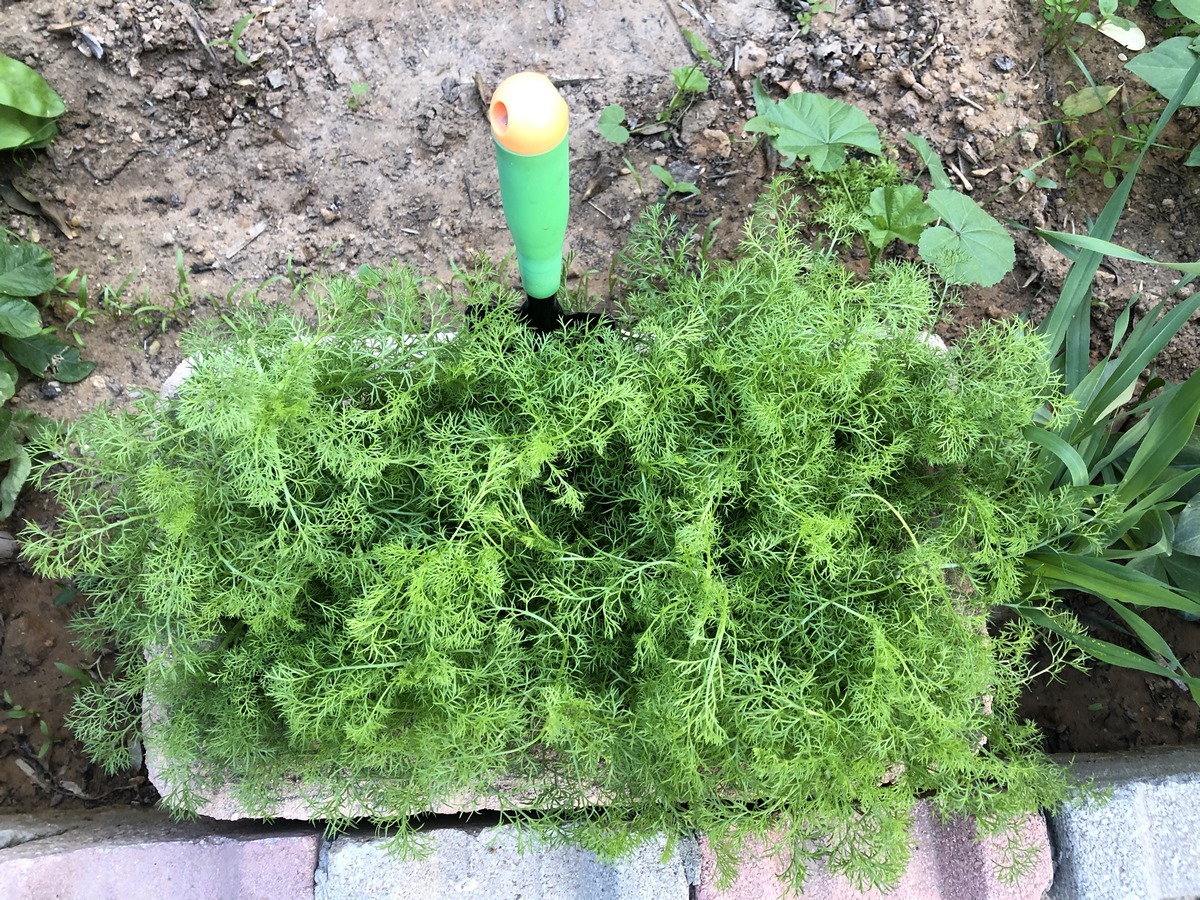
727	568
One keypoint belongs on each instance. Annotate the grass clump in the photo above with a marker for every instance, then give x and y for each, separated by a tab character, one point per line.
726	569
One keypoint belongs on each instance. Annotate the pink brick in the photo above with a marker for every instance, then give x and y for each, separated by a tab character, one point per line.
948	863
125	853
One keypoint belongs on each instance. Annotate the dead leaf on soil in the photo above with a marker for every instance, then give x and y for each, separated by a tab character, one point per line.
31	205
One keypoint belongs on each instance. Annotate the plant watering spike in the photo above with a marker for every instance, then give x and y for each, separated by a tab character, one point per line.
529	128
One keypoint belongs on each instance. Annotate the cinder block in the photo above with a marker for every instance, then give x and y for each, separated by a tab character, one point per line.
487	863
117	854
949	862
1139	844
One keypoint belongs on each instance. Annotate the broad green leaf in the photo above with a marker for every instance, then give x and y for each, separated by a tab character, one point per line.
44	353
10	487
19	317
1187	529
1189	9
682	187
1193	157
1089	100
932	161
1183	569
813	127
1150	335
690	80
969	247
25	90
26	270
8	379
71	369
19	131
699	47
1109	580
78	674
897	211
611	125
1151	639
1163	68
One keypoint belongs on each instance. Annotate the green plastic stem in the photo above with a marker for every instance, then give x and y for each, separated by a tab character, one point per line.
536	197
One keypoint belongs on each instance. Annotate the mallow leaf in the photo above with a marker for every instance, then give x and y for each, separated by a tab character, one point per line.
969	247
897	211
813	127
611	124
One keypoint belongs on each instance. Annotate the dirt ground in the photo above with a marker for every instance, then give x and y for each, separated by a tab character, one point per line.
354	132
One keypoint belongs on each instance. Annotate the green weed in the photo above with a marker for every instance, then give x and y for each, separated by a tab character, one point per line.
360	93
234	41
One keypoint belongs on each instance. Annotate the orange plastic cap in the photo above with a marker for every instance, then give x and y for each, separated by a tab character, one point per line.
527	113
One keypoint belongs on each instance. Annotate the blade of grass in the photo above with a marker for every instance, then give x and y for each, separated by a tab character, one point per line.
1107	652
1167	436
1064	452
1109	581
1068	327
1149	337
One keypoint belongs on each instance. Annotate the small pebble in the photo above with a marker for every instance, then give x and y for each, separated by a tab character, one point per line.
1004	63
882	18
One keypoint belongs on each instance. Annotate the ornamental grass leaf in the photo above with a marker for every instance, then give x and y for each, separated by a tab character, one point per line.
813	127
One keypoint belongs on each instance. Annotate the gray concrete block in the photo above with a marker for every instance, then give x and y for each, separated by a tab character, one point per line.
488	863
1139	843
120	853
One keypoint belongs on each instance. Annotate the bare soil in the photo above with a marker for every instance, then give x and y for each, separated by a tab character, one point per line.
357	134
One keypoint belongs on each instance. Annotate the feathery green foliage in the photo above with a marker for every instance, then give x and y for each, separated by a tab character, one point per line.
727	568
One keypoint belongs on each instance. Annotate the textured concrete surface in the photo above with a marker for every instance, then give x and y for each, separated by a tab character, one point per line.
486	863
1140	844
122	853
948	863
